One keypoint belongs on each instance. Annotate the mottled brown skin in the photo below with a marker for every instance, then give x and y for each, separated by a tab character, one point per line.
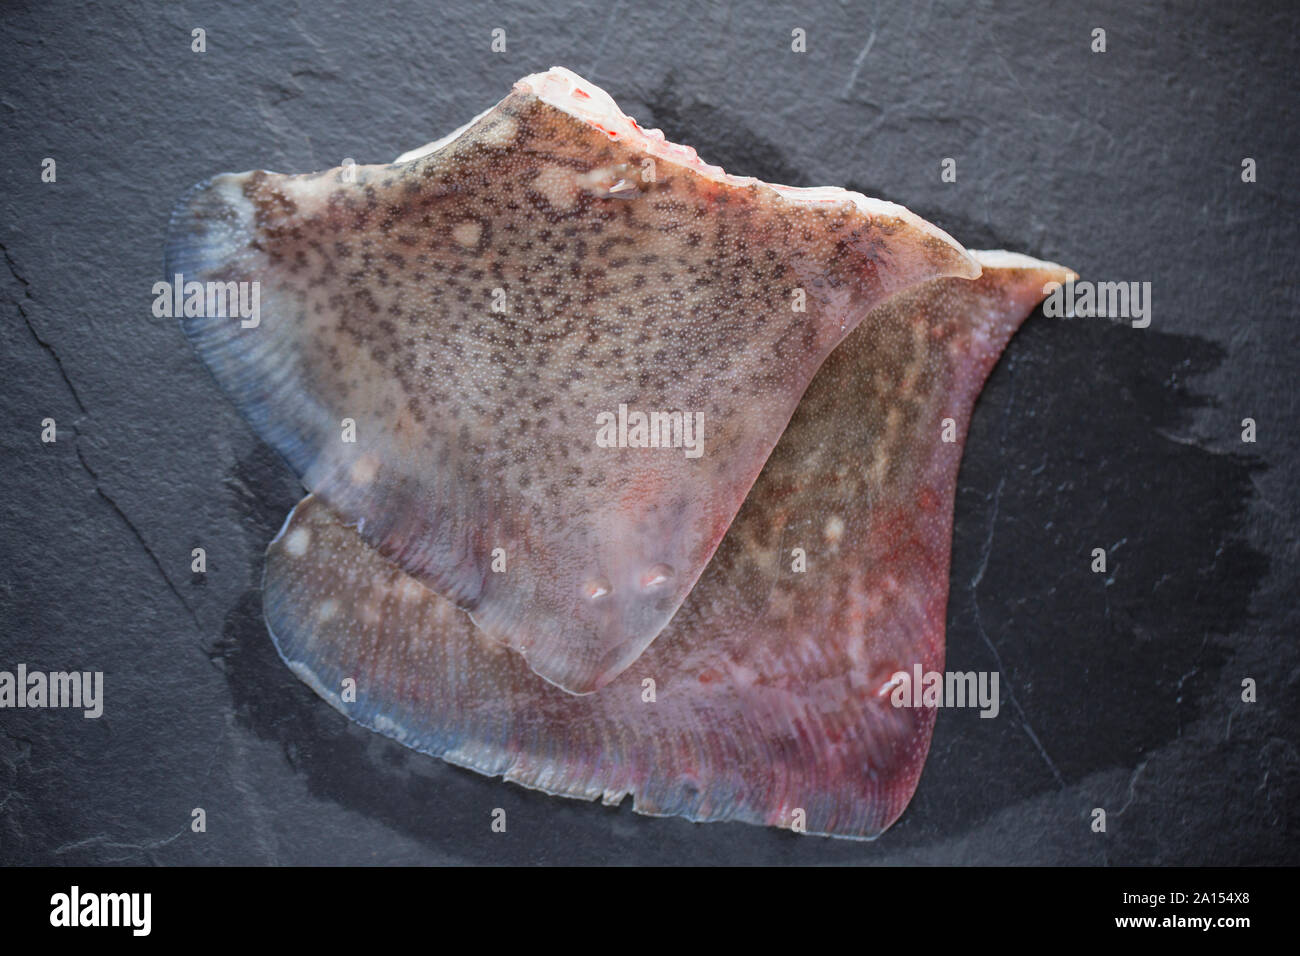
475	429
772	687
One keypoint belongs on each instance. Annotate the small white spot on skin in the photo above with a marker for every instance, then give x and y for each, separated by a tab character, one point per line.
596	588
299	541
328	609
743	676
834	529
608	181
467	233
888	686
656	576
364	470
502	133
558	186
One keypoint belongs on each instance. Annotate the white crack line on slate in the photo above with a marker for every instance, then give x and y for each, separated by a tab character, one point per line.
975	604
1132	786
857	64
145	847
1190	442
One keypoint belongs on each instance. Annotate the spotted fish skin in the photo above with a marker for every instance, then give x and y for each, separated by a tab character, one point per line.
474	310
771	686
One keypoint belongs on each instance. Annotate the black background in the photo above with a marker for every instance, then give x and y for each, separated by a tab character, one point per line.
1120	690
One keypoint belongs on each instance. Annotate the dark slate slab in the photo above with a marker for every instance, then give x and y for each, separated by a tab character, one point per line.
1120	690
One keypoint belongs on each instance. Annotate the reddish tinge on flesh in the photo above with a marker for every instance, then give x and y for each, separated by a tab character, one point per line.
474	310
771	686
713	630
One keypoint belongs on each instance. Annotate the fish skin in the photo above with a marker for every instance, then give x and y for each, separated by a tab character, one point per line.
770	684
475	430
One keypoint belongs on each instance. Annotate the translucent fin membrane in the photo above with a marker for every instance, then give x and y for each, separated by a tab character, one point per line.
768	698
553	343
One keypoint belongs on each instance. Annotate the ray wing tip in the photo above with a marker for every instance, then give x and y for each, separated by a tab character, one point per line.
1004	259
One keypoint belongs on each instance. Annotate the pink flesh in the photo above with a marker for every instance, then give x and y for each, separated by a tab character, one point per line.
771	686
475	430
